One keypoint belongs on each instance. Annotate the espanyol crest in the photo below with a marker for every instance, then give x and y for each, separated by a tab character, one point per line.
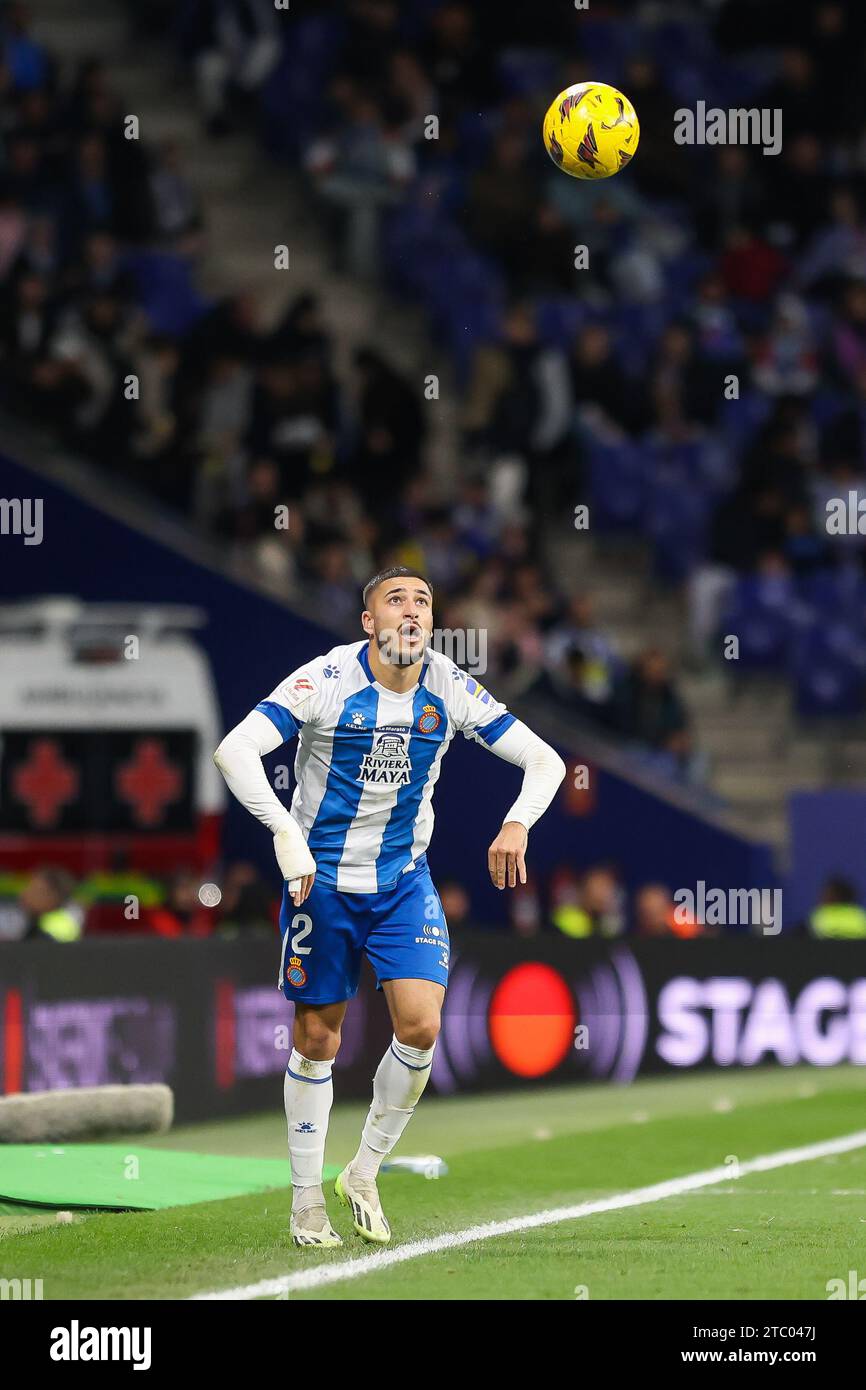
429	719
295	973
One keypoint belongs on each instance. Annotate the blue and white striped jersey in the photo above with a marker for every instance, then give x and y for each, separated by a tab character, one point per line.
368	759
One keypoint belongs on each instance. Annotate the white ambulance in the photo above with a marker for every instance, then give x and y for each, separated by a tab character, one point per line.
108	720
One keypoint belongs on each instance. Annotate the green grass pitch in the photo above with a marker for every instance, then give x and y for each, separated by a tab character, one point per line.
772	1235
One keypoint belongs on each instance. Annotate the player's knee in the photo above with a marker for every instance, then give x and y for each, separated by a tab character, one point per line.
418	1031
316	1039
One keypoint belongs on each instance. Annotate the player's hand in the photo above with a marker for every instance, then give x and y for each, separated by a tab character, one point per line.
299	888
505	859
297	865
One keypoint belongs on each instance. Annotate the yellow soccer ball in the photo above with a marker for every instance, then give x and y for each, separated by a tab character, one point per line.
591	131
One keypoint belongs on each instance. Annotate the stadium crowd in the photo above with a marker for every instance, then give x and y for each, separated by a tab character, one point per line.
707	265
50	905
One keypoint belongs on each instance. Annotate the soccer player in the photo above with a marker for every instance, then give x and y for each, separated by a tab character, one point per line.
373	720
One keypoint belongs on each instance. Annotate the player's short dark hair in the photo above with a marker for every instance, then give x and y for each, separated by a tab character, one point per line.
395	572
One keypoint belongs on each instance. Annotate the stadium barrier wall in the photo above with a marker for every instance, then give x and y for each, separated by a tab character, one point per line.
252	642
207	1018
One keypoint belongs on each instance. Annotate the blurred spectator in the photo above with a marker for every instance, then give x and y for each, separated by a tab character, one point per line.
578	688
577	631
519	654
177	211
456	905
732	199
519	407
592	905
372	34
28	64
850	332
804	550
458	59
46	909
524	907
360	173
785	359
291	421
657	175
653	910
750	267
334	584
502	203
182	913
799	184
248	904
13	232
838	250
796	90
839	914
604	395
650	709
683	387
392	429
656	914
236	47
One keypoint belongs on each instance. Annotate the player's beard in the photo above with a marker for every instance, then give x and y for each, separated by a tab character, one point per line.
395	652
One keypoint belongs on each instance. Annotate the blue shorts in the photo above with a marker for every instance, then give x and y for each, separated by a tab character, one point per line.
402	930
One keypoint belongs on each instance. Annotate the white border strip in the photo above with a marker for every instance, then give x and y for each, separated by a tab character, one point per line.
371	1264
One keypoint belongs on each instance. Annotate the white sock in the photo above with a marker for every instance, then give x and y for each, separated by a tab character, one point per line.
308	1092
397	1086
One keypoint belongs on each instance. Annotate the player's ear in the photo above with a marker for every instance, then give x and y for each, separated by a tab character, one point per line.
367	622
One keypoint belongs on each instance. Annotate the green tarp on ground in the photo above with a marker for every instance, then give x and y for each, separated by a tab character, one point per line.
122	1177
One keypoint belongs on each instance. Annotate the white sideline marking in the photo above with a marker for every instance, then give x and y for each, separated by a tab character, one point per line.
673	1187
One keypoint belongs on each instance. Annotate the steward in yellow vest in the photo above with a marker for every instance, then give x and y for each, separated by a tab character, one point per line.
838	915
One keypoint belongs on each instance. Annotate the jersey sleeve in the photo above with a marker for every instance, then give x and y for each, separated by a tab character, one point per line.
476	713
297	700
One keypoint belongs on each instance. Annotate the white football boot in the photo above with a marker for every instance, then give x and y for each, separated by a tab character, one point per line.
312	1227
361	1196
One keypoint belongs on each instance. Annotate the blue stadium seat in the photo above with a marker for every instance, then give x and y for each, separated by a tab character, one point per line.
525	71
829	671
617	486
767	621
560	320
166	291
740	420
837	595
675	521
